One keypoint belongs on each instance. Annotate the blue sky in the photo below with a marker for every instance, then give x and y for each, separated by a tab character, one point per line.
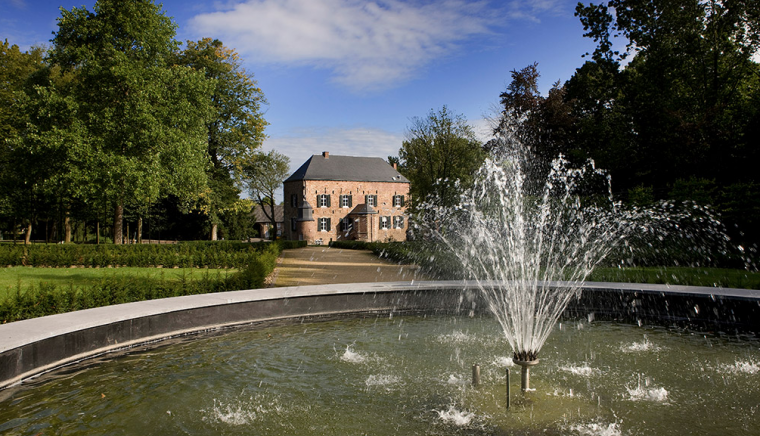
346	76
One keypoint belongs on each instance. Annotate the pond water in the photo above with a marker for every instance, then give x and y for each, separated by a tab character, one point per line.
402	375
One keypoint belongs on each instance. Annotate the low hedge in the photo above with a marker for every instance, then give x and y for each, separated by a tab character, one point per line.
217	254
48	299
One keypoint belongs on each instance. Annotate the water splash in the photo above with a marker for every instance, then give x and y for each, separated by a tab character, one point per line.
530	242
530	250
382	380
583	371
644	391
597	429
639	347
352	356
741	367
459	418
242	411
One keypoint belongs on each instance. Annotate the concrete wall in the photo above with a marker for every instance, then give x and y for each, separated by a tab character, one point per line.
37	345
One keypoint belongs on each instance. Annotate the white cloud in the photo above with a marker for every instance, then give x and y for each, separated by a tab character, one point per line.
366	45
300	146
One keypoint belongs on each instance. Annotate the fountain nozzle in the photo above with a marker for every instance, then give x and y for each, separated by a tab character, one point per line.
525	374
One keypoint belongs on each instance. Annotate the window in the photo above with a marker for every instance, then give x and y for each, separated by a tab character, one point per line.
323	200
294	200
293	224
398	201
385	222
370	200
346	224
398	222
324	224
345	201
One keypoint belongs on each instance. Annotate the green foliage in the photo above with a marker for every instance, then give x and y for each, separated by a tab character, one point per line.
217	254
263	176
439	156
47	299
236	128
641	196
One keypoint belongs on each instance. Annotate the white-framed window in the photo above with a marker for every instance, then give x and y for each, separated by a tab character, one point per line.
398	222
398	201
371	200
385	222
323	200
345	201
324	224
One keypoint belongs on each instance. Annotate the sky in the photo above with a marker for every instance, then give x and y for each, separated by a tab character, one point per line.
348	76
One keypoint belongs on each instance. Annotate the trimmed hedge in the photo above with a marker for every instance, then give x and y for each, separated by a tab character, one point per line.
48	299
216	254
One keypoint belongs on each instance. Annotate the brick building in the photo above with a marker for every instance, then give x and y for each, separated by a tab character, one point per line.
331	198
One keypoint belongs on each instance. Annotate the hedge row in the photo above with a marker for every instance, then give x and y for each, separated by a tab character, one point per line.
218	254
48	299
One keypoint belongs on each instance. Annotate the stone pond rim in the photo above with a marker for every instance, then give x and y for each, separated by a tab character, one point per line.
31	347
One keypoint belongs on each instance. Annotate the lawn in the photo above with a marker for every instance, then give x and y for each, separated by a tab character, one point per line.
11	277
715	277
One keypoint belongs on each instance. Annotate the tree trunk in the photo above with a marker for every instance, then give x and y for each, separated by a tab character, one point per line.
97	232
67	228
28	237
14	231
127	240
118	217
214	228
139	230
273	219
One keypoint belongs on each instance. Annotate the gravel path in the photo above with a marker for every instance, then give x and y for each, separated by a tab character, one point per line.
320	265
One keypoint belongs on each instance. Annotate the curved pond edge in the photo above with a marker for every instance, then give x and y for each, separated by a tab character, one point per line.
31	347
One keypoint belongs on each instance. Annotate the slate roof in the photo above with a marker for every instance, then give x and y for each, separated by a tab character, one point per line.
347	168
260	217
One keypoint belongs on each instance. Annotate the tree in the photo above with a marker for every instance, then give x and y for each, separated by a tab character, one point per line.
236	128
687	92
542	124
684	107
264	174
439	157
20	173
140	122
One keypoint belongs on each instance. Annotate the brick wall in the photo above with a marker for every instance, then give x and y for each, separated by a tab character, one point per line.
367	228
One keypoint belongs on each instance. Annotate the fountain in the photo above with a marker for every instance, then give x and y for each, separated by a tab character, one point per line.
375	370
531	242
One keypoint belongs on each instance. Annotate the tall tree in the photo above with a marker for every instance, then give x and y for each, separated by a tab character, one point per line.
687	91
140	121
543	124
439	156
264	174
20	173
236	128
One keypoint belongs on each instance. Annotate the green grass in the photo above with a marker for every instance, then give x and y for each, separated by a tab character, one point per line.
715	277
10	278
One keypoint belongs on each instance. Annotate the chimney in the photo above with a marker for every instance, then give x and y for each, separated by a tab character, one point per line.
326	154
395	166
